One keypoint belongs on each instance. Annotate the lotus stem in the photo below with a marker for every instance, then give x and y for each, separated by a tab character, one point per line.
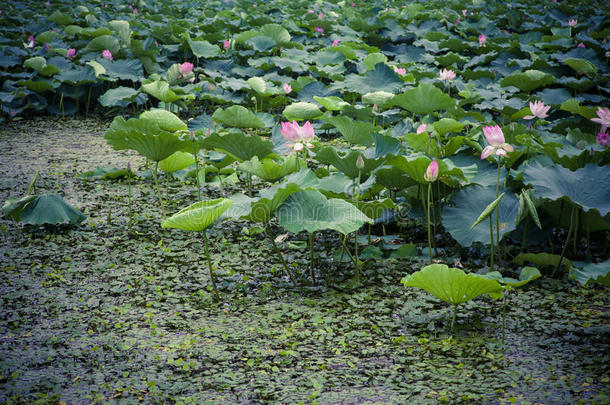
158	189
279	255
197	170
491	236
504	314
357	197
129	201
61	104
498	214
565	245
428	219
311	258
88	102
453	317
212	275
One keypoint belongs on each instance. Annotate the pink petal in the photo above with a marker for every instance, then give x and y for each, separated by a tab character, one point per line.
487	152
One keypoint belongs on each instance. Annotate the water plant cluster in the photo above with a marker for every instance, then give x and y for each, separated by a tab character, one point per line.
480	129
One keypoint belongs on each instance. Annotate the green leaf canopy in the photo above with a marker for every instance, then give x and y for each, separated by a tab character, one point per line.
424	99
197	217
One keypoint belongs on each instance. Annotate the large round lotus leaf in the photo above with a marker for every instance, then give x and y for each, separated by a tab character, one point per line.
373	59
144	136
526	275
77	76
347	163
453	286
331	103
380	98
468	204
302	111
599	272
393	178
528	80
242	147
118	96
166	120
121	27
277	32
257	84
270	170
123	69
39	86
161	91
447	125
574	107
416	169
104	42
203	49
382	78
177	161
424	99
197	217
60	18
581	66
588	187
39	64
237	116
262	43
355	132
374	208
310	211
42	209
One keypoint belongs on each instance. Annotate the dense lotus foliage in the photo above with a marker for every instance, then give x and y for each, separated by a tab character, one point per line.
483	124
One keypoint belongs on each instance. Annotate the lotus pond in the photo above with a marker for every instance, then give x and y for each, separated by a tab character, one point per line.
306	202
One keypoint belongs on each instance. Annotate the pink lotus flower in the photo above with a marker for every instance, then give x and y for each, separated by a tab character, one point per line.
604	118
226	44
310	11
464	13
30	43
320	16
71	53
572	22
335	42
186	68
352	5
287	88
482	40
360	162
538	109
107	54
446	75
400	71
581	45
497	145
47	47
298	136
318	29
421	129
603	138
254	5
431	172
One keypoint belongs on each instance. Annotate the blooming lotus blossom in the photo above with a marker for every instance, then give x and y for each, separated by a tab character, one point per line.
352	5
48	3
538	109
603	118
421	129
335	42
297	136
318	29
47	47
30	43
186	68
287	88
320	16
446	74
226	44
497	145
360	162
254	5
431	172
310	11
107	54
482	40
400	71
71	53
464	13
603	138
572	22
581	45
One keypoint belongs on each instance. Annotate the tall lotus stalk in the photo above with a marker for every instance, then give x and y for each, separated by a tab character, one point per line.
129	196
430	176
360	167
497	146
195	155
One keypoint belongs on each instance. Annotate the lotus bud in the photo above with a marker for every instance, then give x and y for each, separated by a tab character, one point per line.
360	162
431	172
192	135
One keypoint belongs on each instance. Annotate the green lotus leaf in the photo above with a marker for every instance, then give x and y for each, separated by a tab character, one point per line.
39	86
541	259
77	76
424	99
355	132
347	163
393	178
118	96
598	272
197	217
39	64
269	169
581	66
166	120
416	168
386	145
447	125
588	187
240	146
373	209
176	161
311	211
42	209
277	32
379	98
262	43
237	116
382	78
331	103
451	285
105	173
302	111
160	90
526	275
257	84
373	59
528	80
60	18
143	136
103	42
468	204
121	27
422	142
97	68
202	49
572	106
123	69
